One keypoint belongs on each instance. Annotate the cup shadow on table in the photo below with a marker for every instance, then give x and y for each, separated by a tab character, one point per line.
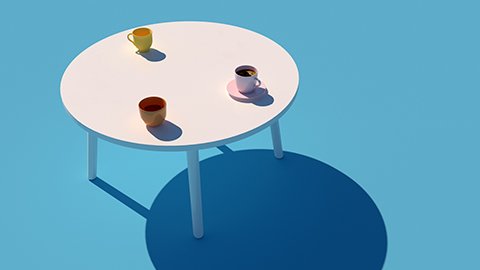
153	55
264	213
264	101
167	131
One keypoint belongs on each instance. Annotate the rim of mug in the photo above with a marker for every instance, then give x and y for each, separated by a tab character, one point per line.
153	100
243	67
142	28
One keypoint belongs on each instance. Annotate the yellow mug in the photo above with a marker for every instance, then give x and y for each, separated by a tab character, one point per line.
142	39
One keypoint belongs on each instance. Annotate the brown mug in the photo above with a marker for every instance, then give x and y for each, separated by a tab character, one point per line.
153	110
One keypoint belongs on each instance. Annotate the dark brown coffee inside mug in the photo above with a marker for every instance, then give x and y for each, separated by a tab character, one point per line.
246	72
152	104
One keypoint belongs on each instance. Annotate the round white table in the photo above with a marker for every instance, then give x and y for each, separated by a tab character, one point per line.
189	65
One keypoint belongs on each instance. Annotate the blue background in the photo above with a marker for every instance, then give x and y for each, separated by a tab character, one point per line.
388	95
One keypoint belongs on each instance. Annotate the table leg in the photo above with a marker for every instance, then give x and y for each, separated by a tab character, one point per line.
92	156
276	139
195	193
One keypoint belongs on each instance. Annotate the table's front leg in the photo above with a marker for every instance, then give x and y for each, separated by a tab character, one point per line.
92	156
276	139
195	192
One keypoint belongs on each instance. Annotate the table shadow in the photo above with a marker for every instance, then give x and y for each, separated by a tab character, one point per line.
167	131
153	55
121	197
264	213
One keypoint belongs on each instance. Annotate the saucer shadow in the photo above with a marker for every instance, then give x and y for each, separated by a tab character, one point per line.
264	213
153	55
167	131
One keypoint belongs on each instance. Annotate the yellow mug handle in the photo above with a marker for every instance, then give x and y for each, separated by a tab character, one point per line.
128	37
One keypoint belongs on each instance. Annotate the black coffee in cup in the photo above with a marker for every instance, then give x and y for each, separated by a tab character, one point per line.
246	72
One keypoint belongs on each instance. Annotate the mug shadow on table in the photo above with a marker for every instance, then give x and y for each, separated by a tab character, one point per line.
167	131
153	55
264	101
264	213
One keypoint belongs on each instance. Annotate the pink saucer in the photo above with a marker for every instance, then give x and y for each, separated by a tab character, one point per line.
247	97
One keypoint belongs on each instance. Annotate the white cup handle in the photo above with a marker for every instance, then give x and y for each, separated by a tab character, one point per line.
259	83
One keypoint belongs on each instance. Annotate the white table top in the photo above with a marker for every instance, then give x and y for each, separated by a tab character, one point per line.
102	86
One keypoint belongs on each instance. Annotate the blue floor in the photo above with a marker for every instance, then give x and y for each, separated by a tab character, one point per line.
382	139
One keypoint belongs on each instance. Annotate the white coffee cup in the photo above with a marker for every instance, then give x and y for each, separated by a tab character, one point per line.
246	79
